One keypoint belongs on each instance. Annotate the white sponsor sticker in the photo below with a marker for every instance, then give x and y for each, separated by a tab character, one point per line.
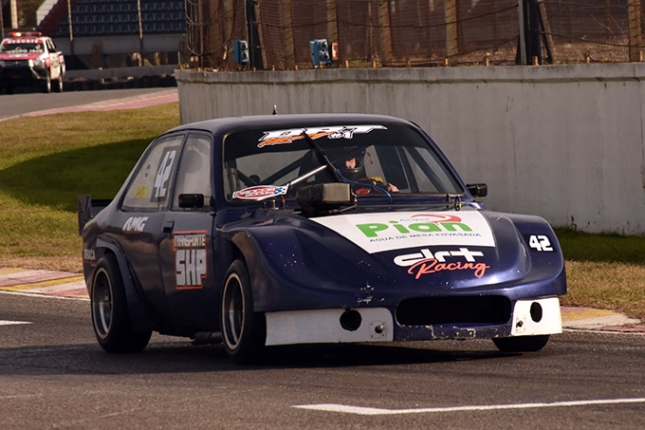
399	230
259	192
280	137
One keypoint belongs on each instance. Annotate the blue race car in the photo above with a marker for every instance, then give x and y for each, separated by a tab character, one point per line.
302	229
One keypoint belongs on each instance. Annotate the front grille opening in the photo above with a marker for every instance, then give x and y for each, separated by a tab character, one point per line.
454	310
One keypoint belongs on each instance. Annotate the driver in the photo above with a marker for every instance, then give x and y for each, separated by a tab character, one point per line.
354	170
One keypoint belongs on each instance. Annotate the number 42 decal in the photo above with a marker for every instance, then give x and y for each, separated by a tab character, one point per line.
540	242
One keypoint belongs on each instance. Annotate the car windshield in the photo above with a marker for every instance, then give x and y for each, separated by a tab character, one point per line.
21	47
375	158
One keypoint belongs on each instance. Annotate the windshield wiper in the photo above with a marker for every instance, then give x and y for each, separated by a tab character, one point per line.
456	202
322	157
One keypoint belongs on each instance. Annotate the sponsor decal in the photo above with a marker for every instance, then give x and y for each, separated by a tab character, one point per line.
191	262
259	192
426	262
280	137
89	254
417	223
380	232
162	179
140	192
135	224
540	243
21	41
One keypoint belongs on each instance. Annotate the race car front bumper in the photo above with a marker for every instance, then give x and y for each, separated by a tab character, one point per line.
21	74
329	326
528	318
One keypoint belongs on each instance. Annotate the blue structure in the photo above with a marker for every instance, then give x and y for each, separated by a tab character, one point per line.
113	27
120	17
319	52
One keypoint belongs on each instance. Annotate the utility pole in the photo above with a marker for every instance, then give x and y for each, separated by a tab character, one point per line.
452	29
13	4
1	21
532	33
635	31
71	33
521	44
140	33
255	53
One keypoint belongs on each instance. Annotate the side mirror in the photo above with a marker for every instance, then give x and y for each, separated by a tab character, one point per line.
191	201
478	190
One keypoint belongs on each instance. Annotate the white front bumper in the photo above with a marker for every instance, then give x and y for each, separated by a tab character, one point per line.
530	318
324	326
545	318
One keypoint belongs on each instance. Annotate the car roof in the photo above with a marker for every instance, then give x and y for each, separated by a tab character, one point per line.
226	125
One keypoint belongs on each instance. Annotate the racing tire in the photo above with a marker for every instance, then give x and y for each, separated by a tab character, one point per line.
110	317
59	83
521	343
243	330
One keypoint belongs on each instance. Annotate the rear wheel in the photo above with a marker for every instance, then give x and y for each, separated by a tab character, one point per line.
110	316
244	331
521	343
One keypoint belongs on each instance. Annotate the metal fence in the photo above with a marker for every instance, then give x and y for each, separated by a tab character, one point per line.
408	33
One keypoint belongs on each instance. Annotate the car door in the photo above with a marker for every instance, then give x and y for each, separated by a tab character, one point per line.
187	260
53	59
145	202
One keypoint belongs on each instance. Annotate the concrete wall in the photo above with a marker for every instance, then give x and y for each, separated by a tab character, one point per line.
562	142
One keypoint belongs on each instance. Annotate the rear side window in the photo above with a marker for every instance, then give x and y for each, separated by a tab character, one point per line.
195	169
149	190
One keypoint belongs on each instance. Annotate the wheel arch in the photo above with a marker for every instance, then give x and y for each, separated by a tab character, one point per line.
140	317
244	247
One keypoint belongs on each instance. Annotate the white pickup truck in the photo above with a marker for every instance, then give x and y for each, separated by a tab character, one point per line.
29	58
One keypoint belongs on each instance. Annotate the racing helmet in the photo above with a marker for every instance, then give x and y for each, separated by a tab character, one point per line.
341	158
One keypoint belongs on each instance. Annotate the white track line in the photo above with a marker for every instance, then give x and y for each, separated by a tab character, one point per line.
358	410
5	322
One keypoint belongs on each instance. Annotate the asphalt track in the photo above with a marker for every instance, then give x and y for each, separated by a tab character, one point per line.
21	105
70	285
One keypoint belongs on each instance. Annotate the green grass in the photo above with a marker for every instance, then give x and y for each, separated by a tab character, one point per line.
605	271
45	162
609	248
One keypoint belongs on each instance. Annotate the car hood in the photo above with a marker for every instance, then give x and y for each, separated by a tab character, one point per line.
450	248
423	251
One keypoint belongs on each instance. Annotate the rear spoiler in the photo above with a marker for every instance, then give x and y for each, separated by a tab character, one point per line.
88	208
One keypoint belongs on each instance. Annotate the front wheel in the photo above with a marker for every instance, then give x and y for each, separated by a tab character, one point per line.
59	83
521	343
244	331
46	84
110	316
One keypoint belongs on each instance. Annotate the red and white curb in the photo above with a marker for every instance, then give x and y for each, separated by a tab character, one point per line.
577	318
135	102
43	282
